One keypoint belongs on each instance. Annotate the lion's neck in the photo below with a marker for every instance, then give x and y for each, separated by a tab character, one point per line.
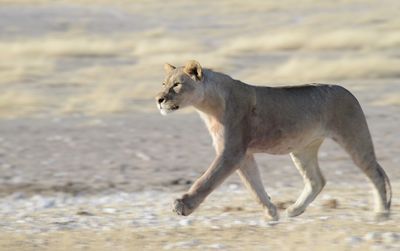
212	103
211	107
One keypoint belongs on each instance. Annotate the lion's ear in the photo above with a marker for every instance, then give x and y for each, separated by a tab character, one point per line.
193	68
168	68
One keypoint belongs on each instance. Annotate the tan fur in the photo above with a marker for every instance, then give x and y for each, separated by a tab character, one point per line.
244	119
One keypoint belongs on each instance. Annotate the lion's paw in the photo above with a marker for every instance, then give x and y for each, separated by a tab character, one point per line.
294	211
180	208
272	213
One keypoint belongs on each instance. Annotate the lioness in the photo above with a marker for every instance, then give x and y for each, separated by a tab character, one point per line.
244	119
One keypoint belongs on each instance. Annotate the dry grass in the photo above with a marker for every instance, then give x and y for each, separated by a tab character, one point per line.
29	59
63	46
18	69
314	41
311	69
306	40
15	103
269	42
389	99
347	39
166	44
104	99
358	67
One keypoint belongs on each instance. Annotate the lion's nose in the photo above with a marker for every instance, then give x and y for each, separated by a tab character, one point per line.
160	100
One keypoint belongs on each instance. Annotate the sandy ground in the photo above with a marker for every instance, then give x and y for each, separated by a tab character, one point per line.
87	163
228	221
84	183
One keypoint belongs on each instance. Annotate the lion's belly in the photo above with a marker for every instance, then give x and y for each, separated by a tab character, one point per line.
283	147
280	142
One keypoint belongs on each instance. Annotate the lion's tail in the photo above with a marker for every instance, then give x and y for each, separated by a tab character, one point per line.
388	189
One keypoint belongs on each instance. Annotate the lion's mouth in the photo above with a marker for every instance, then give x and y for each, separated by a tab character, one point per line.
171	108
175	107
165	110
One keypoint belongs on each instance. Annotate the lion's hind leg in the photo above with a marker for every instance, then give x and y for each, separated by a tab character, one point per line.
250	176
306	161
381	183
362	152
349	128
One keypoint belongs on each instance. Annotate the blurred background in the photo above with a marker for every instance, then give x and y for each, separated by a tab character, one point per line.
84	150
96	57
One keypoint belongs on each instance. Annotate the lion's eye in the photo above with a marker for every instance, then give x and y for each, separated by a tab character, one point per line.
163	84
176	84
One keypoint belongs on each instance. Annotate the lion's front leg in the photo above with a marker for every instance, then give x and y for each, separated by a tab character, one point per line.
223	166
250	176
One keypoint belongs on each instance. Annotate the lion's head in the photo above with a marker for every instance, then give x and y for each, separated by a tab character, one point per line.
182	87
